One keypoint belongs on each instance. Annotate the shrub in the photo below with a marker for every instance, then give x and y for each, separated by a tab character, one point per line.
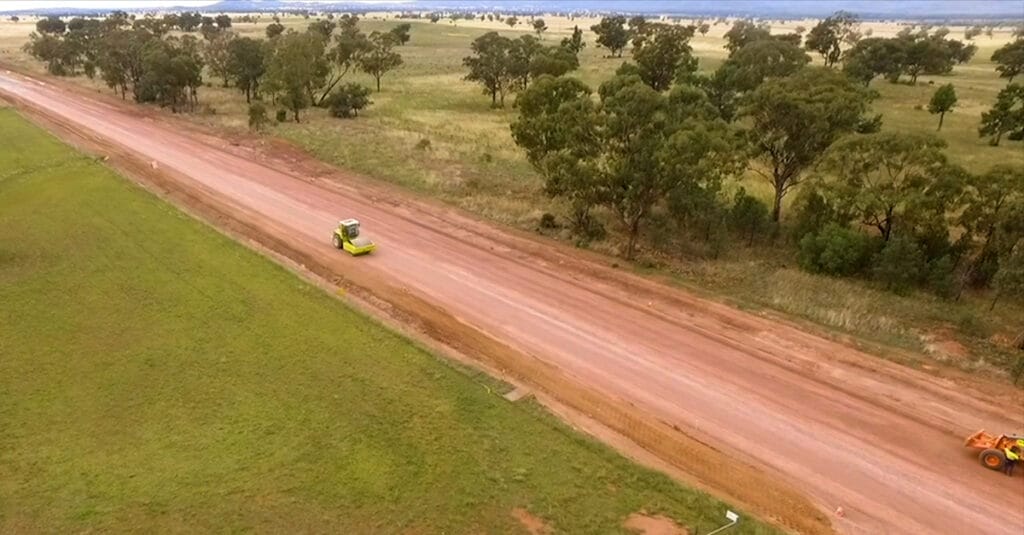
347	100
281	116
836	250
548	221
257	116
422	144
813	213
748	216
899	265
942	277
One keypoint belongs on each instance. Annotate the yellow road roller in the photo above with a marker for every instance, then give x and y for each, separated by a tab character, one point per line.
347	238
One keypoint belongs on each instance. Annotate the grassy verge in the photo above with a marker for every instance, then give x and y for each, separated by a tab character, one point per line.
434	133
156	376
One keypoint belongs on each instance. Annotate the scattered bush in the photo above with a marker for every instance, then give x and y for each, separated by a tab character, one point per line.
257	116
942	277
748	216
281	116
899	265
836	250
813	213
548	221
422	144
347	100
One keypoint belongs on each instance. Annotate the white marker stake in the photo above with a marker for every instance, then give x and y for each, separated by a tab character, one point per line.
732	517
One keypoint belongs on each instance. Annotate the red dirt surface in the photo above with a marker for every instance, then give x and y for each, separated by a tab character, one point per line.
643	524
753	409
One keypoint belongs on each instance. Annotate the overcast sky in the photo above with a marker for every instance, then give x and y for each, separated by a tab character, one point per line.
14	5
912	8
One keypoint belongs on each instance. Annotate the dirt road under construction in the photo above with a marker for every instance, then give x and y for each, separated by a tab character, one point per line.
786	424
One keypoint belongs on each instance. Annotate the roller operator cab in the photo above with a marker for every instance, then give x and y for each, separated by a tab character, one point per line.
347	237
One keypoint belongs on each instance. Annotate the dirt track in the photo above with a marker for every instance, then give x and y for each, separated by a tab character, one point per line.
799	413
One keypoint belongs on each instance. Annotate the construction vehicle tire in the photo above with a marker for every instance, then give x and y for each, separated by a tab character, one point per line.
992	459
337	242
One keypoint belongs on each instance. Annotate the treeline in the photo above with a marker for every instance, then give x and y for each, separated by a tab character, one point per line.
293	70
657	147
503	65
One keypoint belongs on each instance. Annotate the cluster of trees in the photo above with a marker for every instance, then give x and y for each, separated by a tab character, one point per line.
305	68
658	146
295	69
502	65
131	55
908	54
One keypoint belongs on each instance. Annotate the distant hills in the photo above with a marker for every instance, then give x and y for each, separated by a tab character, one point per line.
867	9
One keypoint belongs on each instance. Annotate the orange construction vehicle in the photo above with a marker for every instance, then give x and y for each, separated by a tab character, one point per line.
991	446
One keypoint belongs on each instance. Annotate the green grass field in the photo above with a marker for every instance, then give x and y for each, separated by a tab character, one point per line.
472	163
155	376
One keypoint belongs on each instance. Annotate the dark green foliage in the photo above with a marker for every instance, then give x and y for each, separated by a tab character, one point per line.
893	179
1009	280
247	65
51	25
172	72
993	219
348	99
836	250
662	53
281	115
744	32
257	116
223	21
323	28
813	212
900	265
627	152
1009	59
216	54
612	34
342	55
553	60
750	65
490	66
274	29
942	102
51	50
296	65
927	56
875	56
748	216
910	54
942	277
574	43
378	58
189	21
796	119
401	33
1005	117
539	26
827	37
208	28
